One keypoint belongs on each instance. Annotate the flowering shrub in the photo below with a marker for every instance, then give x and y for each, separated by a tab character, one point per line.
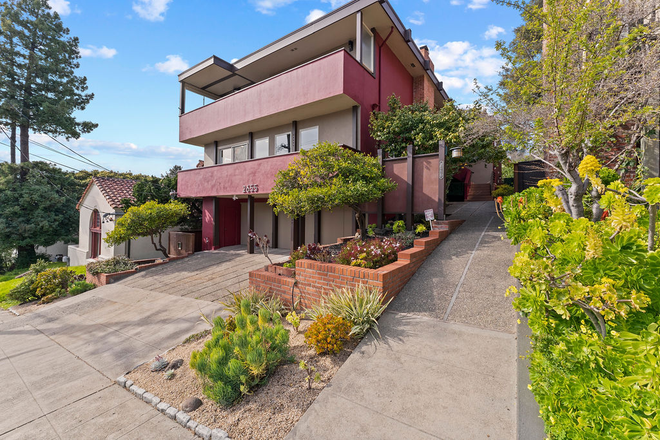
370	254
318	253
296	255
327	334
591	293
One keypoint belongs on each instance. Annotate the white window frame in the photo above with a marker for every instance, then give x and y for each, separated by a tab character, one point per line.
275	152
372	67
233	150
267	139
300	133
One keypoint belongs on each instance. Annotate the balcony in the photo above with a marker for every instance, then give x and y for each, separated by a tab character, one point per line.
252	177
328	84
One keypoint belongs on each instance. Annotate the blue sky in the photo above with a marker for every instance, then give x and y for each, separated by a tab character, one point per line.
132	51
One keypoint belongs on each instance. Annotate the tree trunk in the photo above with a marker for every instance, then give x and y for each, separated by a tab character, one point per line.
360	222
25	142
26	256
575	196
159	247
653	218
597	211
12	143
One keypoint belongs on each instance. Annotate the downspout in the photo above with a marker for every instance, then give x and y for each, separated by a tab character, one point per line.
380	64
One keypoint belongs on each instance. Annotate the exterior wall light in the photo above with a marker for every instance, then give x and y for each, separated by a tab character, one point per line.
234	198
457	152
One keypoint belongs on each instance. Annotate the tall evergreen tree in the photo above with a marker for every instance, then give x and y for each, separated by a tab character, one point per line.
40	88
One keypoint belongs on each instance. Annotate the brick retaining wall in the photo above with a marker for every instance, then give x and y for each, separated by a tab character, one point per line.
315	279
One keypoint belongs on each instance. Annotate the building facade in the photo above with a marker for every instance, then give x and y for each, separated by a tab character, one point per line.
319	83
100	206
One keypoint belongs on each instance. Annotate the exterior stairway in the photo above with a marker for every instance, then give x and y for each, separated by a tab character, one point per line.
479	192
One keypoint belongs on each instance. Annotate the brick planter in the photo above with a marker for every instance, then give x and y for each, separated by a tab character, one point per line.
108	278
280	270
314	279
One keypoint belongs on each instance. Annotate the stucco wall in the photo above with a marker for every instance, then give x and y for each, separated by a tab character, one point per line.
80	254
333	127
482	172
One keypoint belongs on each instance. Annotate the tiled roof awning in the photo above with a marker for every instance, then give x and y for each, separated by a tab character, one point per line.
114	190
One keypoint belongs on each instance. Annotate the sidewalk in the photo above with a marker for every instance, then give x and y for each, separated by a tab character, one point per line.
446	364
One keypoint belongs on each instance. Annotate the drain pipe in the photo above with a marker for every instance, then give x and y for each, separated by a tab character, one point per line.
380	65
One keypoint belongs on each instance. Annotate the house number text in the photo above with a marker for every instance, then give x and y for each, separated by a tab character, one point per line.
250	189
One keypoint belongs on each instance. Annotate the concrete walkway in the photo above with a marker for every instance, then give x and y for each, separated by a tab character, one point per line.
58	364
446	364
209	276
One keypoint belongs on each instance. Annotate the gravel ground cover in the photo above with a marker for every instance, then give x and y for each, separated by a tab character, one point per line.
270	412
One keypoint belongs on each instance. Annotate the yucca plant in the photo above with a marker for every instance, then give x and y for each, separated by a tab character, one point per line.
360	306
234	362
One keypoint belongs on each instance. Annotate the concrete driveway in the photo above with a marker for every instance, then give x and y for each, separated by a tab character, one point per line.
207	275
58	364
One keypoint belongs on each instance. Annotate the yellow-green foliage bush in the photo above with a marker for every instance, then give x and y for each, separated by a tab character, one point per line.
327	334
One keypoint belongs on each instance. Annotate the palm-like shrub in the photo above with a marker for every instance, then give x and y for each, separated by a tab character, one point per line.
361	307
232	363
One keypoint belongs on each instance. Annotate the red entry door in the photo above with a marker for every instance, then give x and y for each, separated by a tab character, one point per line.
229	222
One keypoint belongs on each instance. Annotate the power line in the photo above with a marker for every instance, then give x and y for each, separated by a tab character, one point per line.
68	148
47	160
60	189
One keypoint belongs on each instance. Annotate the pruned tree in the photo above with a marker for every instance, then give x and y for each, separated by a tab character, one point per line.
326	177
151	219
41	91
594	84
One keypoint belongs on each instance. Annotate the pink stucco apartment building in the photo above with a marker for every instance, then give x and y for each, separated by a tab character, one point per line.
319	83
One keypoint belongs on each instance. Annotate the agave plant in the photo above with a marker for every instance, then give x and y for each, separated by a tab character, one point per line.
169	375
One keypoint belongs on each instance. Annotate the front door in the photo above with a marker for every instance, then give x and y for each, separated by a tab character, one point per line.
229	222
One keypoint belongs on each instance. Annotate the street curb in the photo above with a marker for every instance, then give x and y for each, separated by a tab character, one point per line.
182	418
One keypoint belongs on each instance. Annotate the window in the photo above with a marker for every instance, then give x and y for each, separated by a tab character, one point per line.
95	234
240	153
309	137
283	143
232	154
224	156
368	52
261	148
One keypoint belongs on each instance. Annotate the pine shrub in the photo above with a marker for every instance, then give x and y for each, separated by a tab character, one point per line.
233	363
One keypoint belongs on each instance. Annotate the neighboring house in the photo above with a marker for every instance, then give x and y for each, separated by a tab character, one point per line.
319	83
100	206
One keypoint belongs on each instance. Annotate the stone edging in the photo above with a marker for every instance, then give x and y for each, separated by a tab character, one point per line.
181	417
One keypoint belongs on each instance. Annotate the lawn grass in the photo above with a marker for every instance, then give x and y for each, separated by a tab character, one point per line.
8	282
5	287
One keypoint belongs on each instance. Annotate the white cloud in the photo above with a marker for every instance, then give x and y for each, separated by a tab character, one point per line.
458	63
173	65
473	4
152	10
62	7
335	3
478	4
417	18
269	6
314	14
493	32
97	52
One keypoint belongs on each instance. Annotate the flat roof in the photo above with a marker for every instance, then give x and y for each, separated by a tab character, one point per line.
215	77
